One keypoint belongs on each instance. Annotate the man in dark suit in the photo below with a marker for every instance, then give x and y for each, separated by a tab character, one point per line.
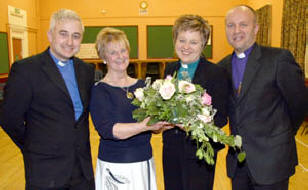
267	106
45	110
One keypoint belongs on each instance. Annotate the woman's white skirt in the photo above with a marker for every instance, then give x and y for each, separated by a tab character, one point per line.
125	176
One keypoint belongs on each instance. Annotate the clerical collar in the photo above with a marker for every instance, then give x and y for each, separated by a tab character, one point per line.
59	62
245	53
241	55
62	64
190	65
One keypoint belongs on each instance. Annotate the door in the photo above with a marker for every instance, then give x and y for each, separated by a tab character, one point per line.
17	49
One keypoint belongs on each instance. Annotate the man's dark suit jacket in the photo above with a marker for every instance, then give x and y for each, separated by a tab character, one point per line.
38	115
267	113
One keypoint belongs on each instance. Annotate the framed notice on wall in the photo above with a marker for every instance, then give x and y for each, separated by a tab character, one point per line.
87	49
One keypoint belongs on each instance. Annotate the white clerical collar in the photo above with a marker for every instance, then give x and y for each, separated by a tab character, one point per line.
61	64
185	66
241	55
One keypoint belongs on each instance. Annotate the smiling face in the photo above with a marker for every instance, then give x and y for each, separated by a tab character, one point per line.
241	28
188	46
65	39
117	56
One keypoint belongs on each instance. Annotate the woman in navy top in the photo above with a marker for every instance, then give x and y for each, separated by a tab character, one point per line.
125	154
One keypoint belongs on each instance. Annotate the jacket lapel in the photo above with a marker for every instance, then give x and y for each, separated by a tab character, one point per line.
228	67
175	68
252	67
51	70
200	72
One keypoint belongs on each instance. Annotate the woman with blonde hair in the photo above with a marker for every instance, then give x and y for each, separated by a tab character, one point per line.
125	155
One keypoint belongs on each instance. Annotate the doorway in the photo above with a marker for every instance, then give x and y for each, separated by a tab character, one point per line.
17	49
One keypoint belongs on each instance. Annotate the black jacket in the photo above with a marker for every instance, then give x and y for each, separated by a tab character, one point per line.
38	114
267	113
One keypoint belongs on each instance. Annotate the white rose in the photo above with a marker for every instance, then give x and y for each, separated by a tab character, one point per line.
238	141
139	94
206	112
189	99
186	87
167	90
157	84
205	119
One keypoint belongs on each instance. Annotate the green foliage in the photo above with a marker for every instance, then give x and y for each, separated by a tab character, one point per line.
185	107
241	156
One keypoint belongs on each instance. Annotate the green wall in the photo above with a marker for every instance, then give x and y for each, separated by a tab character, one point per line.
130	31
4	54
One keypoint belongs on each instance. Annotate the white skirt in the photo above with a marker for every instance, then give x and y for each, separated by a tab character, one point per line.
125	176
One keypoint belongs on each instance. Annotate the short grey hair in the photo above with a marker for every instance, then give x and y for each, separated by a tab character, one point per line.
64	14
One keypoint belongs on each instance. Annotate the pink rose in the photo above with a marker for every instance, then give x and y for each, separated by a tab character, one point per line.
186	87
206	99
169	77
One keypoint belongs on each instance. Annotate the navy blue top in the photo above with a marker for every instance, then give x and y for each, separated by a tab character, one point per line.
109	105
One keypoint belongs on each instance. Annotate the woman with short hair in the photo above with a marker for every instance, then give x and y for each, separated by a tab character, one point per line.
182	169
125	153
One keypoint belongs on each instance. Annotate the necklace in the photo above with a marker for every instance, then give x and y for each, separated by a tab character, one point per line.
129	95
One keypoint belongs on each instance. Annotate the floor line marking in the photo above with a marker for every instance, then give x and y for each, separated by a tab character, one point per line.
303	167
301	142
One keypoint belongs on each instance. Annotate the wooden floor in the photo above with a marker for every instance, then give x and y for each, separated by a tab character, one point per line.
12	172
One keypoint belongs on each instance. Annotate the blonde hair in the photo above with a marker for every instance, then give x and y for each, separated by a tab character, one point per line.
193	23
107	35
64	14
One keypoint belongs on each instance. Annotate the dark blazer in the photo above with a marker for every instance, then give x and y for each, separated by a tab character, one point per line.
38	114
267	113
212	78
179	152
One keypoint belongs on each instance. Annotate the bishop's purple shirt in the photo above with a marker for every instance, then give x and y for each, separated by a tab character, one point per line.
238	67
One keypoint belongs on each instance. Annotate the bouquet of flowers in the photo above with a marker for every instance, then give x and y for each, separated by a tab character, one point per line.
181	102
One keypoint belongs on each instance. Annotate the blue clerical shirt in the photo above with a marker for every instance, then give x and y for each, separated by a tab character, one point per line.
67	71
238	67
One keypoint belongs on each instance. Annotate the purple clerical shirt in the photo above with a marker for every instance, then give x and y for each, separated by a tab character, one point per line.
238	67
